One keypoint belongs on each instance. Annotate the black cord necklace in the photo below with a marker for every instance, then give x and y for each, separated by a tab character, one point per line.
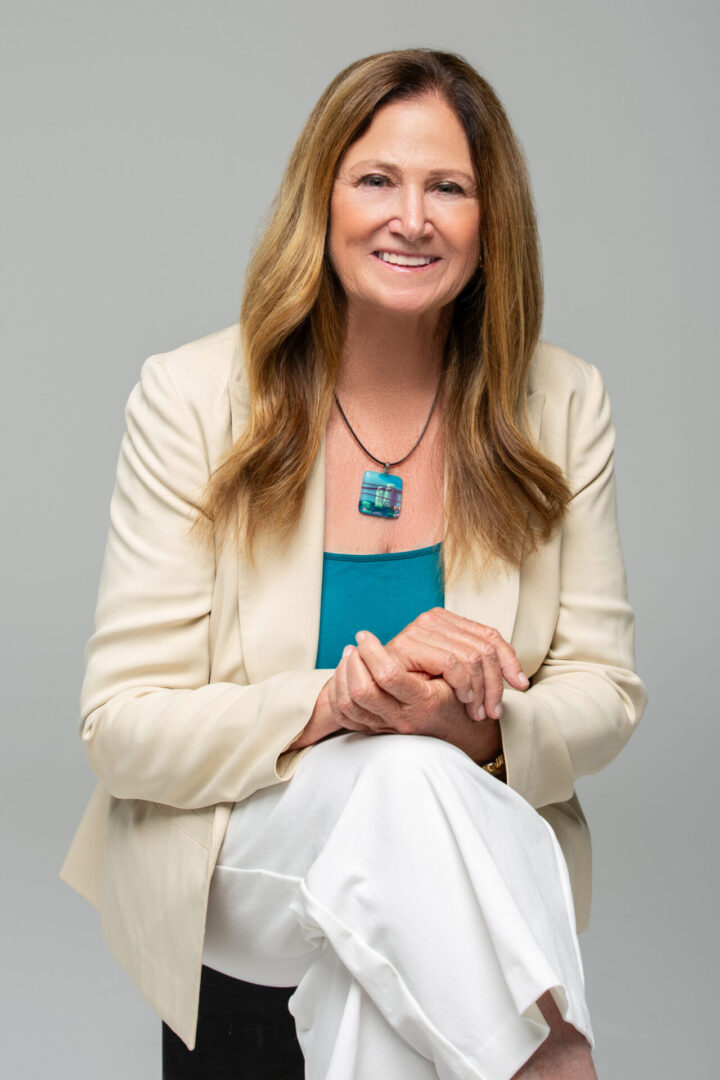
381	492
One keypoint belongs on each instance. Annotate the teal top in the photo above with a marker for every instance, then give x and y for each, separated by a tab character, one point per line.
380	593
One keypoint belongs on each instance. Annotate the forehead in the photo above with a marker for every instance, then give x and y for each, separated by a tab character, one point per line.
423	130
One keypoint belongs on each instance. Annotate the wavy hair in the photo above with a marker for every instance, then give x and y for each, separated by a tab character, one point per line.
502	494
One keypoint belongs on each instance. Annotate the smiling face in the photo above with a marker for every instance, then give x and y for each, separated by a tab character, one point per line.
404	211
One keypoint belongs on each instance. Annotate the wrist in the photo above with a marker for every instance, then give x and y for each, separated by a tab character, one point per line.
486	741
496	767
321	722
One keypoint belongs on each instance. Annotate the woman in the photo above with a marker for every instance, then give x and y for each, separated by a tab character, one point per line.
334	534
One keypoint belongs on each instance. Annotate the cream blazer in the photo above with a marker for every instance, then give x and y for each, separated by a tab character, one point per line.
200	670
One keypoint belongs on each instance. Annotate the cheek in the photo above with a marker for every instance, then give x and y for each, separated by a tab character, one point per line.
470	237
343	212
340	230
331	247
348	232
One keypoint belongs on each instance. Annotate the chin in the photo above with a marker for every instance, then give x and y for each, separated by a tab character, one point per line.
405	305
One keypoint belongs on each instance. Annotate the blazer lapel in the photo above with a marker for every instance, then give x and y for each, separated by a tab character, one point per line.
493	599
279	596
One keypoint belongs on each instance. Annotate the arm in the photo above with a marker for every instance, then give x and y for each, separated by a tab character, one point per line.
153	725
585	699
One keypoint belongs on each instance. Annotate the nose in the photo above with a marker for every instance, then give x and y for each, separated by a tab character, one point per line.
411	220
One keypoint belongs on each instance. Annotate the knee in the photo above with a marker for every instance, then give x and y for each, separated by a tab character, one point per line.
393	809
409	755
428	772
412	769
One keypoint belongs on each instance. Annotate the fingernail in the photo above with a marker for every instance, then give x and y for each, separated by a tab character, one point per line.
469	696
480	712
360	636
498	712
523	678
347	650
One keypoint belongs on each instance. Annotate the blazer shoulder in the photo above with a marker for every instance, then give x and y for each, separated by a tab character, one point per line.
201	366
577	429
183	395
557	372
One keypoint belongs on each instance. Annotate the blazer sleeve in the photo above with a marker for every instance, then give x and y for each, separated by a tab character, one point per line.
154	726
585	699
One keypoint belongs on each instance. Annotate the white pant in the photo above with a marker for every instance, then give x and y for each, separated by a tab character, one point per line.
420	906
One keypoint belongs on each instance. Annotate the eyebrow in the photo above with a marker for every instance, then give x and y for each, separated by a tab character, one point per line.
434	174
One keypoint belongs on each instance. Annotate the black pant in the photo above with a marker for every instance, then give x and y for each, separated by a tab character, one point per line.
245	1032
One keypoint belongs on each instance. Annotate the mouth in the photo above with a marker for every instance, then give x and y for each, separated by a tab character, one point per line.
407	262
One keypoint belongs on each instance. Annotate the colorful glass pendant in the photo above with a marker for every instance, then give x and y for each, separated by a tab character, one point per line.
380	494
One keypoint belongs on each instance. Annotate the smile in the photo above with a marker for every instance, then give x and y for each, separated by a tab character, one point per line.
405	260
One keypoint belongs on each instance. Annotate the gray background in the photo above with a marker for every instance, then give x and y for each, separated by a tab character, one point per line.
142	143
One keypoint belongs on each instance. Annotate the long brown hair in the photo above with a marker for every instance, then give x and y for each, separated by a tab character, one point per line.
502	494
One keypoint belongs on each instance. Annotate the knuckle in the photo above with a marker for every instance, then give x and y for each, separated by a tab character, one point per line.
362	695
488	651
344	701
498	641
385	675
426	618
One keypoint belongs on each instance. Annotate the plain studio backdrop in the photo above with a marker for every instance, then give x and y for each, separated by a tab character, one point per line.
142	144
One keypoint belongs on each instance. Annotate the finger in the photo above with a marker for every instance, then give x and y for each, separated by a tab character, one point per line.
482	648
493	680
365	702
361	685
469	638
467	648
509	663
510	666
352	715
486	677
337	714
435	658
440	619
387	672
481	659
369	695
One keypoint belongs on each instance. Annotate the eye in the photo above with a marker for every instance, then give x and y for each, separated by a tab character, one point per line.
374	180
448	187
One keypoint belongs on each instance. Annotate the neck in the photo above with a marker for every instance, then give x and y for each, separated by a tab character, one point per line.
387	354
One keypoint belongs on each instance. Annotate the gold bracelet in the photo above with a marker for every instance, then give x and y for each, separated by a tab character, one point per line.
496	766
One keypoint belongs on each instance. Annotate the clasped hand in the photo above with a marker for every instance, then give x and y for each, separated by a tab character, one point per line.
438	671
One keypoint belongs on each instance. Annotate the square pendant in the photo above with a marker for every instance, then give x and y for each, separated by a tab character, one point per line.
380	494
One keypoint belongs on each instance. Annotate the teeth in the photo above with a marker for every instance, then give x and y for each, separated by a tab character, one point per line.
405	260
